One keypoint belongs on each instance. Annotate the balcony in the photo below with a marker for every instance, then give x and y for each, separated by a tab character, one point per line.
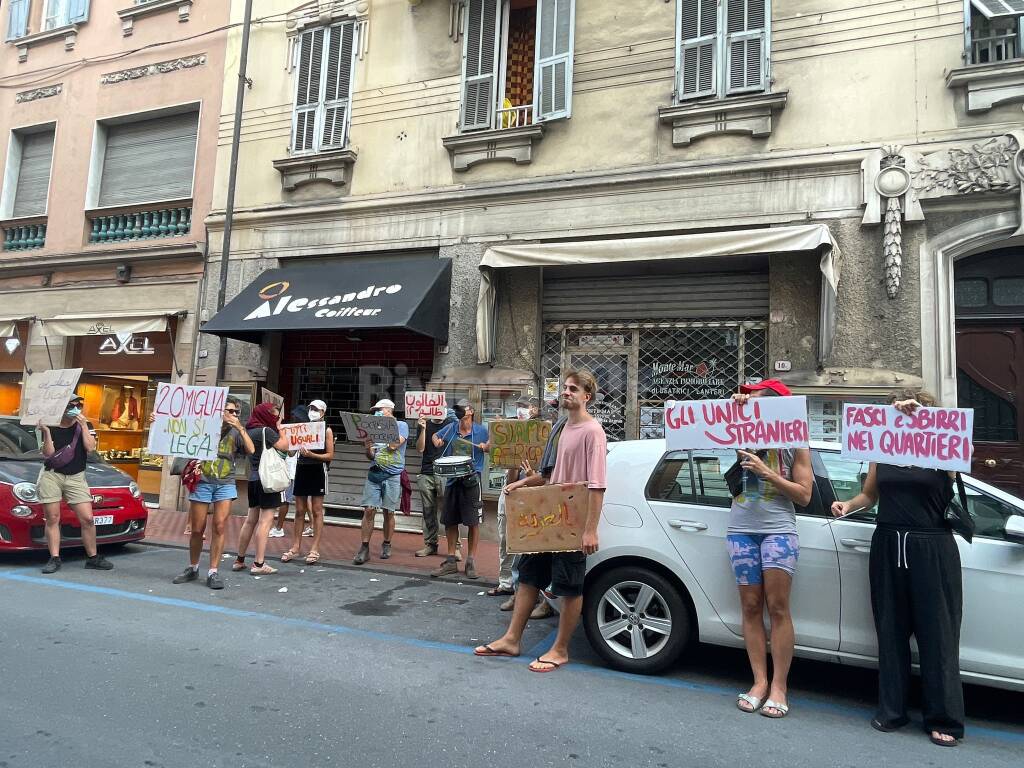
512	137
24	236
147	224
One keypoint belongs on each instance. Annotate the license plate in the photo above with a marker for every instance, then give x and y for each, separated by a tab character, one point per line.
103	519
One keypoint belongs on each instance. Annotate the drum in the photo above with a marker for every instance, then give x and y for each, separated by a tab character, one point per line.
453	466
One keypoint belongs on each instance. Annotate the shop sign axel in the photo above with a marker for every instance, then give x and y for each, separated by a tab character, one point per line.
311	435
766	422
936	438
188	421
47	394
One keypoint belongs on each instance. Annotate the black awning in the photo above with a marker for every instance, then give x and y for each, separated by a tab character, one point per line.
335	294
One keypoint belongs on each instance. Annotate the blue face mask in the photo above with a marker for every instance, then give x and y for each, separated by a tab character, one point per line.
378	413
73	412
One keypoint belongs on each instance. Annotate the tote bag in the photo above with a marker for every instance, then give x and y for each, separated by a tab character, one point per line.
273	469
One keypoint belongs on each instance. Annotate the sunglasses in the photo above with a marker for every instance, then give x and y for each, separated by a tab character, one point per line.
231	410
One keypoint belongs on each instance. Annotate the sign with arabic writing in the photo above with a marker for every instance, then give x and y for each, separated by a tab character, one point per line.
47	394
548	518
425	405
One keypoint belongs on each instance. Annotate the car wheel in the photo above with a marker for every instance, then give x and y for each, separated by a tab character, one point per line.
636	620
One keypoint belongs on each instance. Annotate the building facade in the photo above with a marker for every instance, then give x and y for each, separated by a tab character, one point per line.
680	195
109	123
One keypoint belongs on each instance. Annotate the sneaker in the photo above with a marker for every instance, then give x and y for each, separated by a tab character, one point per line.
385	550
458	552
52	565
508	605
262	570
186	576
427	551
214	581
471	570
98	563
238	565
543	610
308	531
276	533
362	555
447	568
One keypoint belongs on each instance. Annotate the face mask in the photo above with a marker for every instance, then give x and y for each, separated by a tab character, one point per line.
460	412
378	413
313	414
72	412
522	413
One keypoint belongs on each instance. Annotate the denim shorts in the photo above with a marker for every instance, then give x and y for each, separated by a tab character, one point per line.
387	494
752	553
211	493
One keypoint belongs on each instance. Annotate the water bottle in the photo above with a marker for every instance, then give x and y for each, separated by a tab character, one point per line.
751	487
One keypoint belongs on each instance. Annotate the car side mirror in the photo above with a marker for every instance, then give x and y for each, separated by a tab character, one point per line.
1014	530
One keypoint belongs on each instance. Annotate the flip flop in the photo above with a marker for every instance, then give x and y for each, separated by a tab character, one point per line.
554	665
498	591
769	704
943	743
486	650
753	701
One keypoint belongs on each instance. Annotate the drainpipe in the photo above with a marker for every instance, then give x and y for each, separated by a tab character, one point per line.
229	208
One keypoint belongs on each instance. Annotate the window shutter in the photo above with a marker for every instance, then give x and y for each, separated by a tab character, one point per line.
480	64
338	87
78	10
17	19
33	174
746	38
149	160
307	93
697	59
556	20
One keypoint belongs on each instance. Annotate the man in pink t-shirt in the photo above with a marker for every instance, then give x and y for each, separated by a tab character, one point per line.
581	457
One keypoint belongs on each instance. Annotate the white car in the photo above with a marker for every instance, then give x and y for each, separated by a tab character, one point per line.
662	577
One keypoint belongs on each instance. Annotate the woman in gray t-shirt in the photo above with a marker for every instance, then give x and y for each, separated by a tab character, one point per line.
763	548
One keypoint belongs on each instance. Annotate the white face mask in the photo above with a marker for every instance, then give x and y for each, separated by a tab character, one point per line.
522	413
314	414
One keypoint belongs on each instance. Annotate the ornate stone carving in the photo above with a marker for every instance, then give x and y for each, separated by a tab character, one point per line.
39	93
515	144
737	114
892	183
334	167
135	73
982	167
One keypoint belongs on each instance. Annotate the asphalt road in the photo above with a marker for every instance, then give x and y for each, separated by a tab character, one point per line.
353	667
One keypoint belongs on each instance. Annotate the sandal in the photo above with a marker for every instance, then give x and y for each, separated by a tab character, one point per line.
313	558
290	555
498	591
486	650
753	701
781	709
554	665
938	741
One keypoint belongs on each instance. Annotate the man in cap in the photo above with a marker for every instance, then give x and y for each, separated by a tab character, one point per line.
430	486
67	448
383	487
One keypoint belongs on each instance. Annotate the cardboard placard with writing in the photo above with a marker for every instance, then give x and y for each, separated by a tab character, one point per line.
309	435
376	429
188	421
514	441
548	518
427	405
47	394
273	398
934	438
762	422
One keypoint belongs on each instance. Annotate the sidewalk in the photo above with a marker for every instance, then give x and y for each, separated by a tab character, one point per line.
338	545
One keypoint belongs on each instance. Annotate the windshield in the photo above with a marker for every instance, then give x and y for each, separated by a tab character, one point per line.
17	440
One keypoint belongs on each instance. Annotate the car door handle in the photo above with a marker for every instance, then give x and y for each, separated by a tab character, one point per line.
855	543
695	525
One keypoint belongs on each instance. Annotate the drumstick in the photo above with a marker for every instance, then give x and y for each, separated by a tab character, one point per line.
843	517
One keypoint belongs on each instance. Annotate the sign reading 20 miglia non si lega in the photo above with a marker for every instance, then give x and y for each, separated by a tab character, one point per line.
188	421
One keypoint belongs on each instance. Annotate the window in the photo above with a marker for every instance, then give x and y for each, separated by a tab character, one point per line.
995	416
692	477
970	292
723	47
323	88
60	13
994	30
517	63
989	513
28	173
147	160
846	478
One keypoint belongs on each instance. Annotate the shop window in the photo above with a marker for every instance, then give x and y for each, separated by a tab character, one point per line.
995	30
1008	291
323	89
970	292
722	48
995	418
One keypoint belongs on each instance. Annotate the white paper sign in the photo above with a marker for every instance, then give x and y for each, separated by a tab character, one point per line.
47	394
935	438
376	429
188	421
312	435
426	405
763	422
273	398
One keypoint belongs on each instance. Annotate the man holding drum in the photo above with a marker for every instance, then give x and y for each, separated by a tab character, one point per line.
464	445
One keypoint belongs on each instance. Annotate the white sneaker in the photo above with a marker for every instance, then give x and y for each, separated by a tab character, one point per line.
308	531
277	533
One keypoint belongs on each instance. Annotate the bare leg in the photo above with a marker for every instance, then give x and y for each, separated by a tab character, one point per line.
474	539
568	618
511	641
752	603
777	585
221	513
368	515
282	514
266	519
197	521
316	512
245	535
389	525
451	533
84	513
300	517
52	515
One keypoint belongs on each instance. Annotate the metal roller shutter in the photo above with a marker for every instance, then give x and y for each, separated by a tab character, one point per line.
34	174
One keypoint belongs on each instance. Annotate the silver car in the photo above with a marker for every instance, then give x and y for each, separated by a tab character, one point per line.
662	577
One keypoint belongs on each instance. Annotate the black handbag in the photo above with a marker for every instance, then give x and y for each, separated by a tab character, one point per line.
734	479
958	515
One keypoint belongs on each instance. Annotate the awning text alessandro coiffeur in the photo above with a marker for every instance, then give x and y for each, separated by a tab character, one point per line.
277	300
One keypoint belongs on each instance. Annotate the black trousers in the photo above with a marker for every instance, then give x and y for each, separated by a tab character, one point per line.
916	589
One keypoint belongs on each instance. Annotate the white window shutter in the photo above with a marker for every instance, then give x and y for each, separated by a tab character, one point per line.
480	64
307	90
337	86
746	44
697	63
17	19
33	174
78	10
552	79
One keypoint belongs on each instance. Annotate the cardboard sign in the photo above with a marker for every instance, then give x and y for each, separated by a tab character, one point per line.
47	394
188	421
935	438
376	429
427	405
763	422
273	398
514	441
548	518
310	435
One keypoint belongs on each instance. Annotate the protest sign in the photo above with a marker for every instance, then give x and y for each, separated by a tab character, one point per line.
548	518
47	394
188	421
376	429
310	435
936	438
273	398
762	422
514	441
426	405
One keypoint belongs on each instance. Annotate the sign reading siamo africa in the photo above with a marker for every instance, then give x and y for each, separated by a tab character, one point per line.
277	300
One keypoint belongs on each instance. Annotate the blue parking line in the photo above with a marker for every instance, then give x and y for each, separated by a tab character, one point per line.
859	713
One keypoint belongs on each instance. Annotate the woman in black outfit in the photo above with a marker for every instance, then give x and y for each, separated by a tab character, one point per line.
916	590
